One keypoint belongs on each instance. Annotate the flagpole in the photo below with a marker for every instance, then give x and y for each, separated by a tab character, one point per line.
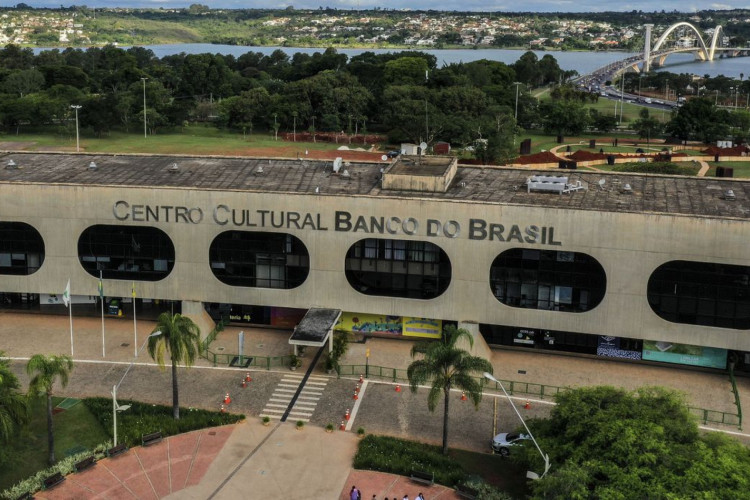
135	330
101	298
70	314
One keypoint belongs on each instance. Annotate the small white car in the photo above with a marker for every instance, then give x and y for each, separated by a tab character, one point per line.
502	443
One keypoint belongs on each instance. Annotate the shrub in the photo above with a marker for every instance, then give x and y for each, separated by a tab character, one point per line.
657	167
361	431
266	419
329	427
300	424
398	456
144	418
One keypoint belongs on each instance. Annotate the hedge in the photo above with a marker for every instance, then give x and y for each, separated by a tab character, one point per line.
144	418
398	456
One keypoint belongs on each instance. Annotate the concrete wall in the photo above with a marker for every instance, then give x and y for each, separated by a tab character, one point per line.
629	247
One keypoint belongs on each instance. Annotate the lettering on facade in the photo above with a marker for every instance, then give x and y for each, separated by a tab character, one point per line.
343	221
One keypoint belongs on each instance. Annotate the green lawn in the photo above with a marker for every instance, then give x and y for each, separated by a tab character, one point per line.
75	429
741	168
542	142
195	139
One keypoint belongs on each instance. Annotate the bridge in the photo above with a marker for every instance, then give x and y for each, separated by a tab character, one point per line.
656	56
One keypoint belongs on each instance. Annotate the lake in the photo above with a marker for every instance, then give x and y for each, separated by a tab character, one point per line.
583	62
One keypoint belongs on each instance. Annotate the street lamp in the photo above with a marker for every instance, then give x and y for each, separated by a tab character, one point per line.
143	79
529	474
77	107
115	406
515	115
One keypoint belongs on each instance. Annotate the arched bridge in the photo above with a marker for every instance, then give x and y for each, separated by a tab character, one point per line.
704	50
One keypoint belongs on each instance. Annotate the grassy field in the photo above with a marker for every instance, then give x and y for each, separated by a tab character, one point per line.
741	168
541	142
195	139
75	428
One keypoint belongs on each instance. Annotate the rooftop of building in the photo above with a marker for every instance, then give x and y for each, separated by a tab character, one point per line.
690	196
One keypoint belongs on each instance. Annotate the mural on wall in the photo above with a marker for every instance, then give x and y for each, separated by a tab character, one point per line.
685	354
390	325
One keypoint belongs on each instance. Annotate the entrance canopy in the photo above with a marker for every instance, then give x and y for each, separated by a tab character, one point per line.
315	328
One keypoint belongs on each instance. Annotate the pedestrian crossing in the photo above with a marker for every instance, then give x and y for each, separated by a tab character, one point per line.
304	405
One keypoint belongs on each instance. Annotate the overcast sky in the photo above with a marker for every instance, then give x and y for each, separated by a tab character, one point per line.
481	5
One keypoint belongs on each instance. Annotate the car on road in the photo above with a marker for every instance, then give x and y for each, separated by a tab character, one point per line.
393	154
502	443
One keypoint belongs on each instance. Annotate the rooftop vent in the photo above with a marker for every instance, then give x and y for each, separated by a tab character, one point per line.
259	170
729	195
93	166
173	168
337	164
346	174
317	189
627	189
11	165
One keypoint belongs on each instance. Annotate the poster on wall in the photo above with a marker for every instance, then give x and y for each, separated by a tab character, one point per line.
422	327
525	336
54	299
609	347
370	323
684	354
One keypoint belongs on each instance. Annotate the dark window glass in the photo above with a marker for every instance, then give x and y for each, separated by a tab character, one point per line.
701	293
21	249
126	252
258	259
548	279
398	268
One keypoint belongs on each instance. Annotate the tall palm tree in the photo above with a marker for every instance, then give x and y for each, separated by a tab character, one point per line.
13	405
44	371
180	337
445	366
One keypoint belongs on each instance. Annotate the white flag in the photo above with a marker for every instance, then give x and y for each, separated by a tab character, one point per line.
66	295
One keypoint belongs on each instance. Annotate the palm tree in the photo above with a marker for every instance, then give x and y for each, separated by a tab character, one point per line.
181	338
44	370
444	366
13	405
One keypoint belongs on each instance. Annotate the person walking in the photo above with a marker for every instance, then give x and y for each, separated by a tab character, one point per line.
354	494
420	496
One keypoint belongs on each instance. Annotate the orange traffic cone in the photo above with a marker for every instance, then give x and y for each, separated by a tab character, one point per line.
356	397
361	379
227	399
346	417
463	396
223	410
247	377
398	388
244	383
342	426
527	406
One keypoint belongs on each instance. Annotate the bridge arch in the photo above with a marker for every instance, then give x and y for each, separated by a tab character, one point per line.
714	41
663	37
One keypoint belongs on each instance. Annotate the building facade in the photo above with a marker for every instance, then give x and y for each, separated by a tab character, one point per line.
638	266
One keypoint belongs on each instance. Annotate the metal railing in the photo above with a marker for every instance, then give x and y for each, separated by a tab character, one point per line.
267	362
736	395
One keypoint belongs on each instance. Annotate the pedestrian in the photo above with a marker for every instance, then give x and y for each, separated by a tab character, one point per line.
406	497
420	496
354	494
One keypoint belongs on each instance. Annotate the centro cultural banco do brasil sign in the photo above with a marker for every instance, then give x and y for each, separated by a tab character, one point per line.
342	221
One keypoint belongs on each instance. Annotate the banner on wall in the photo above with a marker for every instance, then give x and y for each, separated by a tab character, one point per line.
684	354
610	347
422	327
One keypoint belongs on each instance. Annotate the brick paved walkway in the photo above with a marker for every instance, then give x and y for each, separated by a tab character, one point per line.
384	485
174	464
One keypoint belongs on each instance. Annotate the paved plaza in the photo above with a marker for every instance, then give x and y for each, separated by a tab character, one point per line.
257	461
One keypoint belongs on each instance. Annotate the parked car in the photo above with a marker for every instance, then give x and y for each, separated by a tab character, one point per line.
393	154
502	443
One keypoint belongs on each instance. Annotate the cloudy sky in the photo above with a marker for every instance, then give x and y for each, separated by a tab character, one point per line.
481	5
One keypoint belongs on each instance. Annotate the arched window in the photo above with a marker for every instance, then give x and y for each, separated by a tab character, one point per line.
126	252
259	259
548	279
21	249
398	268
701	293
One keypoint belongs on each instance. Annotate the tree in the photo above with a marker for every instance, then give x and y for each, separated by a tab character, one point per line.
606	442
602	122
699	119
444	366
13	404
564	117
179	337
647	126
44	371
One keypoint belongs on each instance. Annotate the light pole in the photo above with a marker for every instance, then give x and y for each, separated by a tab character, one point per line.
143	79
529	474
294	126
515	115
115	406
76	107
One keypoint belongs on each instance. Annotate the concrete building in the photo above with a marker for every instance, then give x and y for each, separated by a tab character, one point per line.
635	266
